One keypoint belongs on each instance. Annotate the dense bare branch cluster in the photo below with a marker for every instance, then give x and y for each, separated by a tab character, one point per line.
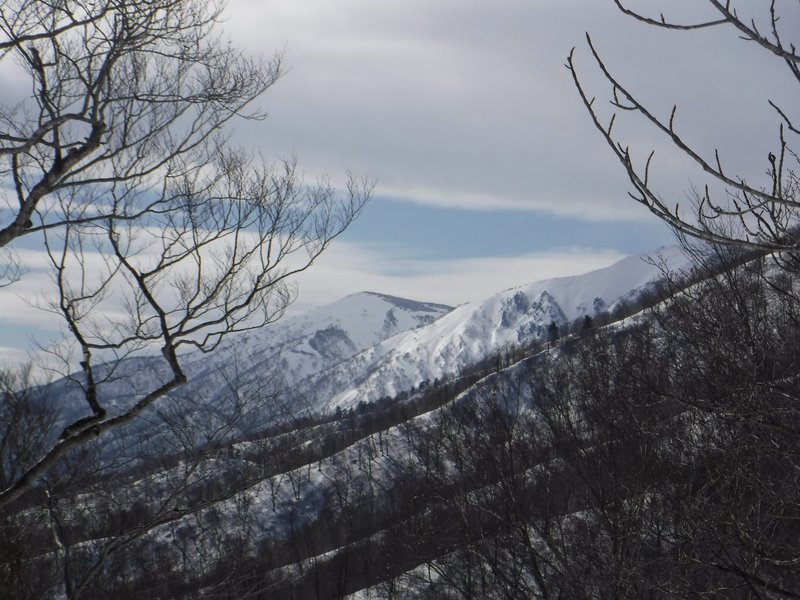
157	231
121	92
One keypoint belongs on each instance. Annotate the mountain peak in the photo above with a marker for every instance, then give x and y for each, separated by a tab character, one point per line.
519	315
408	304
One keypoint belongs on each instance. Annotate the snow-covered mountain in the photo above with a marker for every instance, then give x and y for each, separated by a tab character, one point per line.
306	344
273	358
474	331
343	481
289	352
370	345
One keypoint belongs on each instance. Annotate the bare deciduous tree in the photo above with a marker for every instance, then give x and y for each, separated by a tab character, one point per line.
158	232
755	216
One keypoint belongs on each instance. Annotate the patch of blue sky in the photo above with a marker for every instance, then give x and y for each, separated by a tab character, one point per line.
428	231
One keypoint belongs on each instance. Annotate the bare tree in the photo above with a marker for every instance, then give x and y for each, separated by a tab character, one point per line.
158	232
730	362
759	217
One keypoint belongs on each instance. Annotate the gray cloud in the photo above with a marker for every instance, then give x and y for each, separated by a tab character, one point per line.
467	103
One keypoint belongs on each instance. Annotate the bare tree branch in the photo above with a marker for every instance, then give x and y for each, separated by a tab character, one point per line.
750	216
159	234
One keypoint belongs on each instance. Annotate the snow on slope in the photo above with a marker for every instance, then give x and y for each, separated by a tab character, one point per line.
474	331
370	345
308	343
270	358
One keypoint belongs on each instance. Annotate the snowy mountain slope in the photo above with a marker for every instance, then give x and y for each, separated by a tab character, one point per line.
351	500
370	345
473	331
307	344
272	358
306	483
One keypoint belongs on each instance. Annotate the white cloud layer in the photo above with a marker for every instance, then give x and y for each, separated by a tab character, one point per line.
347	268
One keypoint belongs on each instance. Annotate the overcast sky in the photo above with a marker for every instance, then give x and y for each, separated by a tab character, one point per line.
489	173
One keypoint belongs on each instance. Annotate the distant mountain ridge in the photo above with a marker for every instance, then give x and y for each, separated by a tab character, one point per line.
300	348
473	331
273	358
370	345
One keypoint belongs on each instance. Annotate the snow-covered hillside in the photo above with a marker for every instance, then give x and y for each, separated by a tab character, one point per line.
473	331
272	359
369	345
301	346
333	492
